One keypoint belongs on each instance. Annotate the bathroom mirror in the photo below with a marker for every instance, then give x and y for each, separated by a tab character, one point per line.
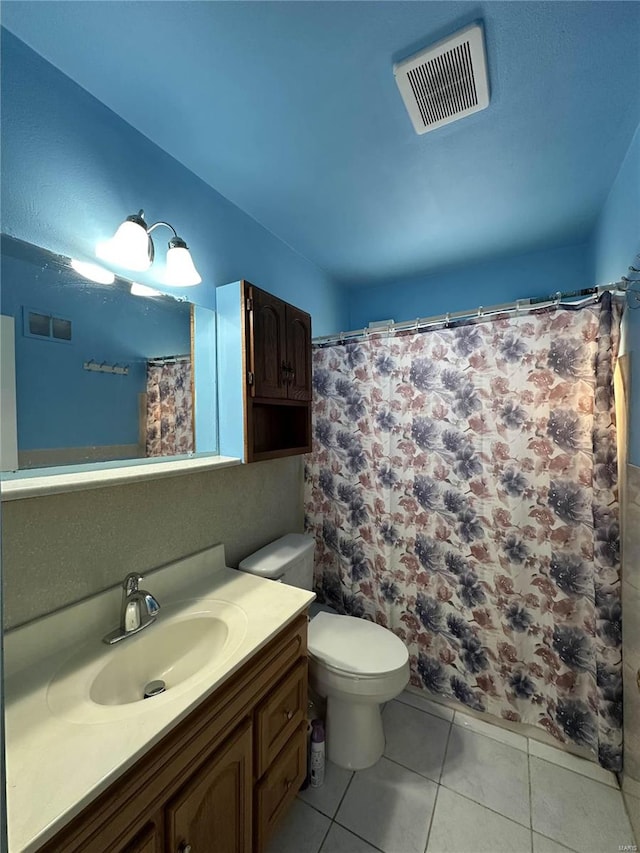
99	374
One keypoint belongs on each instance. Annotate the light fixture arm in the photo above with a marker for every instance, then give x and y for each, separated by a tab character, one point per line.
166	224
175	242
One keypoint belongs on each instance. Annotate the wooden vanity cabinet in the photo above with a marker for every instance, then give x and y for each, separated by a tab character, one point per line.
213	810
149	840
222	779
264	374
279	347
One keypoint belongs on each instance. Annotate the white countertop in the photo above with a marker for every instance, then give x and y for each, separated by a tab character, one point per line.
57	763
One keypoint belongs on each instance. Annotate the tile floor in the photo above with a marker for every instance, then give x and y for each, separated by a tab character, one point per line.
449	783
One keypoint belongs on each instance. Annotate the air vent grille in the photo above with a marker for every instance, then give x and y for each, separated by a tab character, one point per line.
445	82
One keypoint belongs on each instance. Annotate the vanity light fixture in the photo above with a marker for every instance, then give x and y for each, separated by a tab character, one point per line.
93	272
132	247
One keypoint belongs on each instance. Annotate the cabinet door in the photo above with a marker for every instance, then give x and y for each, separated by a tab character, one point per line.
279	786
148	840
298	354
267	345
213	811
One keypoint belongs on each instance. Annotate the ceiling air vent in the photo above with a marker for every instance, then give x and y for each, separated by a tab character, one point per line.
445	82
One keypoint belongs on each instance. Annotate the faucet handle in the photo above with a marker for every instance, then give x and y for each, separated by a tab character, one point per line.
130	583
151	603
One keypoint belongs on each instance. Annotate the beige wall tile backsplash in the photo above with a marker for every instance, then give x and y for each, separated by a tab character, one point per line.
631	623
62	548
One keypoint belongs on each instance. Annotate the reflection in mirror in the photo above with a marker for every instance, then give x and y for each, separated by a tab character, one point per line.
92	373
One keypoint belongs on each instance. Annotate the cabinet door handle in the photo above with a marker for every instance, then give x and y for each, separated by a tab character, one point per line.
288	714
185	848
285	372
288	783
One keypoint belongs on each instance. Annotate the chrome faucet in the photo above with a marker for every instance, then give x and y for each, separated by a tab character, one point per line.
139	609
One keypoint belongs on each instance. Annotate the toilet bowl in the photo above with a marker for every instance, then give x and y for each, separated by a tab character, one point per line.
353	663
357	666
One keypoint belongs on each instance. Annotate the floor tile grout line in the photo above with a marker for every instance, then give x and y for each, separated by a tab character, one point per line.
446	750
435	801
328	830
527	738
577	773
490	736
417	772
424	710
571	755
559	843
346	828
485	806
476	733
344	794
433	814
412	770
315	808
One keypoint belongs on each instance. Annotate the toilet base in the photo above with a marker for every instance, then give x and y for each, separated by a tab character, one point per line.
355	737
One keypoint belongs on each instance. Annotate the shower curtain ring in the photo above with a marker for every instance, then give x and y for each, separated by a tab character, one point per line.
447	319
518	307
480	310
558	297
417	326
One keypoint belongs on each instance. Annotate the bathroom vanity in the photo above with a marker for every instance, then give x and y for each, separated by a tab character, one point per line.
212	764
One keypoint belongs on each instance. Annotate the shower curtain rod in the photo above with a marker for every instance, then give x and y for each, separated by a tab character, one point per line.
481	313
168	359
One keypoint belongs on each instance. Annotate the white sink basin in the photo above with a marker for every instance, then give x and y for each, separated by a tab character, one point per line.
173	652
187	643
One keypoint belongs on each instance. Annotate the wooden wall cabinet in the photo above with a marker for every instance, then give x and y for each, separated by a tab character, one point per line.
222	779
264	374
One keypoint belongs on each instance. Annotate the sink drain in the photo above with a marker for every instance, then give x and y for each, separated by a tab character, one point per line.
154	688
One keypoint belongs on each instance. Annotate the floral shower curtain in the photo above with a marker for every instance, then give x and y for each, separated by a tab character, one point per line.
169	408
462	492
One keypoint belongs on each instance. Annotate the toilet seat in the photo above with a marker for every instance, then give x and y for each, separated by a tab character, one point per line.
347	645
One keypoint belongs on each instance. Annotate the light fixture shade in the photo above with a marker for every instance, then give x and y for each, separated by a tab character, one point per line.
130	247
181	271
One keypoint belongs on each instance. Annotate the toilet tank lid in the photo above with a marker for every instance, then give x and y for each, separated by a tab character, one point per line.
276	557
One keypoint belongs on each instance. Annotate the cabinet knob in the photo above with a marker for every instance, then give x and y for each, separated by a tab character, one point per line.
185	848
288	783
288	714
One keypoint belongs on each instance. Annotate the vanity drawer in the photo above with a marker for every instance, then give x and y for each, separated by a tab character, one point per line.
280	785
280	714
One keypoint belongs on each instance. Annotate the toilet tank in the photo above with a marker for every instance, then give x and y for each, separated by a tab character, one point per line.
288	559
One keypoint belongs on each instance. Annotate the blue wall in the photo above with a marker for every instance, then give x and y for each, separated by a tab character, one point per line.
616	245
59	403
490	283
72	170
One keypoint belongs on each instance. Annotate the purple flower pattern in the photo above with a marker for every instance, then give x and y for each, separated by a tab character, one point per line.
169	422
462	491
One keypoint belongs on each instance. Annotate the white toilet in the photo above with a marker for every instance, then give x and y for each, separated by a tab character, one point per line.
355	664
